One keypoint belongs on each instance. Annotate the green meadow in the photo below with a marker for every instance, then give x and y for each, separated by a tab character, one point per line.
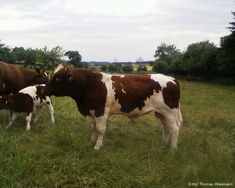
60	155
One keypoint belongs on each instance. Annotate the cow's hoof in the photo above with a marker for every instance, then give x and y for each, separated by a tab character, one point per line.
97	148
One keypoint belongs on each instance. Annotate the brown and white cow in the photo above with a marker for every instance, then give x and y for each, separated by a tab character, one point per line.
99	95
14	78
27	100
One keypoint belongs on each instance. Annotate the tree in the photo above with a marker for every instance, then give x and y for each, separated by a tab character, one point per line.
18	54
200	59
161	67
5	52
30	57
49	59
74	58
104	68
226	55
112	68
168	59
127	68
232	27
165	50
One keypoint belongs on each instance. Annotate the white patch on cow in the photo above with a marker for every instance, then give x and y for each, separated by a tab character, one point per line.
162	79
31	91
111	105
3	85
60	66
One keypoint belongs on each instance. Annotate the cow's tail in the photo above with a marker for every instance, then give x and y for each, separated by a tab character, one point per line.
179	119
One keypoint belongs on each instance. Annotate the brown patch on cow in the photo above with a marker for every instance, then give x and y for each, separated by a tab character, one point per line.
94	93
16	78
132	90
171	94
19	102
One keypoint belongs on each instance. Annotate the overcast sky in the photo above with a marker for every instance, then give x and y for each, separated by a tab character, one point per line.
111	30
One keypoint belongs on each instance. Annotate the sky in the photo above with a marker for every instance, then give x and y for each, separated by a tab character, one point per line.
113	30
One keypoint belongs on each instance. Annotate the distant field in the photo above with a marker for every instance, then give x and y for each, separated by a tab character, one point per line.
60	155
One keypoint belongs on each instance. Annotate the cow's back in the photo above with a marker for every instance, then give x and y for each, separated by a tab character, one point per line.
13	78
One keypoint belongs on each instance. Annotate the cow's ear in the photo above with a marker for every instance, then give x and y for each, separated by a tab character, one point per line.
37	70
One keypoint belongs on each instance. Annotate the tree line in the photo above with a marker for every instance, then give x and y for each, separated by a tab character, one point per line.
43	58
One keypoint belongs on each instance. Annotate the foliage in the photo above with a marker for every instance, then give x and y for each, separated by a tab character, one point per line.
168	59
30	57
127	68
104	67
114	67
165	50
75	58
200	59
4	52
232	27
49	59
226	55
142	68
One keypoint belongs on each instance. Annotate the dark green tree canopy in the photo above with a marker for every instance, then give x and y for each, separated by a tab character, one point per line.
74	58
164	50
4	52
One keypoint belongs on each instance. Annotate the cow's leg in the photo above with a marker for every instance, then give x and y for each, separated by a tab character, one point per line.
10	114
165	129
93	131
13	117
36	115
28	120
171	122
100	127
51	110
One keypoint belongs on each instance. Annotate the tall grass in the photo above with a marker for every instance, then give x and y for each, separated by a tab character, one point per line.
60	155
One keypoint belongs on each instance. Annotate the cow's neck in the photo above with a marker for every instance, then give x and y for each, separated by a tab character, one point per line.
85	83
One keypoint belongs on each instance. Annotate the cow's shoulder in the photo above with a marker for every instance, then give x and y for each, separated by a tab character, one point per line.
94	94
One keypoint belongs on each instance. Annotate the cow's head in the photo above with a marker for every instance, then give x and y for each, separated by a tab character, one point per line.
60	83
41	77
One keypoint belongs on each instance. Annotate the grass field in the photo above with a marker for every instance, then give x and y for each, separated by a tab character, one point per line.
60	155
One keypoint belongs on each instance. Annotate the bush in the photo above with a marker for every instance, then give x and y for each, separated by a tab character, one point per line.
127	68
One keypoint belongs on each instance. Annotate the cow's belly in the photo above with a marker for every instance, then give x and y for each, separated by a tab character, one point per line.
154	103
133	114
